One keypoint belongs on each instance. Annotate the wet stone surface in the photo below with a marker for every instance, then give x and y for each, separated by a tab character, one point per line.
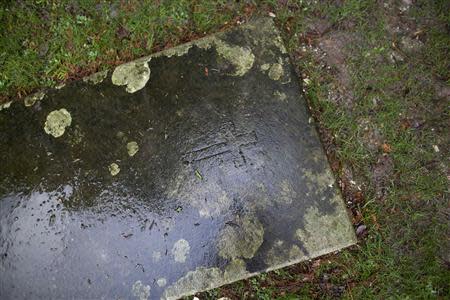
176	173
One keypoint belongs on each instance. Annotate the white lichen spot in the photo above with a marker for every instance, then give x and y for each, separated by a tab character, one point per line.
114	169
134	75
276	71
241	239
265	67
57	121
31	99
96	78
161	282
132	148
180	250
241	58
140	291
5	105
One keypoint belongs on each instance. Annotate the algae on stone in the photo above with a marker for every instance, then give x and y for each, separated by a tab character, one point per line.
57	121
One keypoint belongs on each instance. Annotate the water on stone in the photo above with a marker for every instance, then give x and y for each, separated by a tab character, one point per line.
176	173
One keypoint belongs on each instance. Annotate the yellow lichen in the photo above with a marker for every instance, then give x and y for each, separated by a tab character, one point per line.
57	121
322	232
134	75
114	169
31	99
241	58
132	148
5	105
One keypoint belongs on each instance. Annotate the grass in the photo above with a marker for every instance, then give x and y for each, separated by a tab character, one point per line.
402	254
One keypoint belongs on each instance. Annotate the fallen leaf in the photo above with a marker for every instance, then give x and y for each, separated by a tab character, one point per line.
386	148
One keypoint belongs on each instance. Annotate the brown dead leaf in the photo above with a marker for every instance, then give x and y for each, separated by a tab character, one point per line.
386	148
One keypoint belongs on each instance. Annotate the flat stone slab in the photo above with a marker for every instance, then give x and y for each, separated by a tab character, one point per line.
176	173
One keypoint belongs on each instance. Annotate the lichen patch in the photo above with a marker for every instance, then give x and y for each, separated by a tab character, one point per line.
57	121
286	192
241	58
265	67
5	105
280	253
323	231
96	78
161	282
180	250
134	75
202	279
132	148
276	71
31	99
140	291
240	238
114	169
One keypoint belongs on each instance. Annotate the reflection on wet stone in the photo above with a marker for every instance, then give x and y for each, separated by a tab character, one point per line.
158	180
